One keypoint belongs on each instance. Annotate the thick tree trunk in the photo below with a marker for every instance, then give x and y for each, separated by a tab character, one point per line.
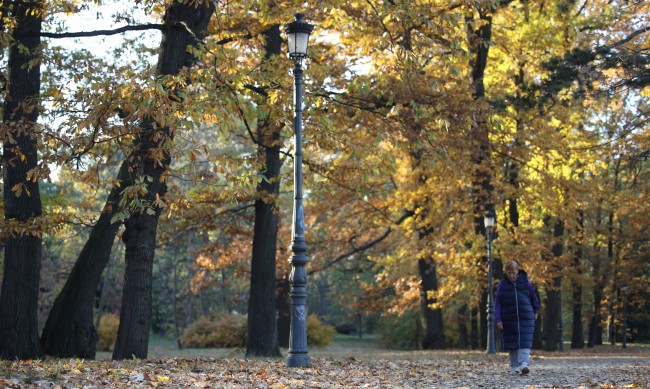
551	319
595	325
612	259
184	23
513	180
463	340
552	314
135	317
262	322
69	330
177	331
577	337
478	42
482	177
577	333
432	324
482	318
474	326
284	311
538	336
22	257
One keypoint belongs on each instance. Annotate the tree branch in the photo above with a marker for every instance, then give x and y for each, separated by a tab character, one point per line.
631	36
367	245
79	34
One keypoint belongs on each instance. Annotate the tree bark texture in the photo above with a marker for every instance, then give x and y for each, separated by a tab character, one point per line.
22	257
432	323
184	23
482	318
69	331
463	340
284	311
538	336
595	325
478	41
482	188
552	314
473	340
577	337
577	333
262	321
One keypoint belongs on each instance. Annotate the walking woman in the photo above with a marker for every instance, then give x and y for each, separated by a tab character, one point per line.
516	311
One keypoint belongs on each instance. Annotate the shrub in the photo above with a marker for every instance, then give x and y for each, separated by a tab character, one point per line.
401	332
224	332
319	334
107	331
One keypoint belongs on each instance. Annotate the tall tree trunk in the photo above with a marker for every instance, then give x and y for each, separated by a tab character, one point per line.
262	321
22	200
463	340
595	325
177	331
551	320
538	336
595	336
284	311
184	23
430	318
482	318
552	316
432	324
474	338
611	322
577	337
69	330
577	334
478	42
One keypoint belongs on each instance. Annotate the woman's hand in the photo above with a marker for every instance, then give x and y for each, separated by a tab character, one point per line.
500	325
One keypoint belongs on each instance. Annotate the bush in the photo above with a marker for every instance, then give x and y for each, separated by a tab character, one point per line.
225	332
401	332
319	334
107	331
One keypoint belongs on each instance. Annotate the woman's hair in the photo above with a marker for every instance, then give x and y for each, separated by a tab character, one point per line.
512	265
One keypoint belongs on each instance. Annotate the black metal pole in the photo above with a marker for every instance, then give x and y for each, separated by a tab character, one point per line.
491	347
298	356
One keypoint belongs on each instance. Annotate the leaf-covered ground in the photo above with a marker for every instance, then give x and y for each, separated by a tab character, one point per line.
342	367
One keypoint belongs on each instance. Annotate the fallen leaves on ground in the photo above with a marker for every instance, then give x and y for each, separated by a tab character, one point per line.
480	371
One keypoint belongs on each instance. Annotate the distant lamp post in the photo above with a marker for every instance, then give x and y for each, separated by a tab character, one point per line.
298	36
489	220
624	290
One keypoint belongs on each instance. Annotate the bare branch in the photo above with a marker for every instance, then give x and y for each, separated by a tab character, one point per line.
631	36
366	245
79	34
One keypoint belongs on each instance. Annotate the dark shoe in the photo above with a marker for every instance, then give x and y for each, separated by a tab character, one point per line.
525	370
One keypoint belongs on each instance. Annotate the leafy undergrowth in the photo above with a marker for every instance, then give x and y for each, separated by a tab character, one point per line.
336	367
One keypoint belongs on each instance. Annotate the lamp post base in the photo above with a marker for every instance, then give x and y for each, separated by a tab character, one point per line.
298	360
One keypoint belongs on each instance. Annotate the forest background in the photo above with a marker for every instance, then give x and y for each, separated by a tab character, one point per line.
153	180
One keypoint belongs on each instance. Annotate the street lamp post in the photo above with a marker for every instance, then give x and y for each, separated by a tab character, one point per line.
489	220
624	290
298	36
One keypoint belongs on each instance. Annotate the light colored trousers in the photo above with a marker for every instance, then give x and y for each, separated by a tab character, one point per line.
519	358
